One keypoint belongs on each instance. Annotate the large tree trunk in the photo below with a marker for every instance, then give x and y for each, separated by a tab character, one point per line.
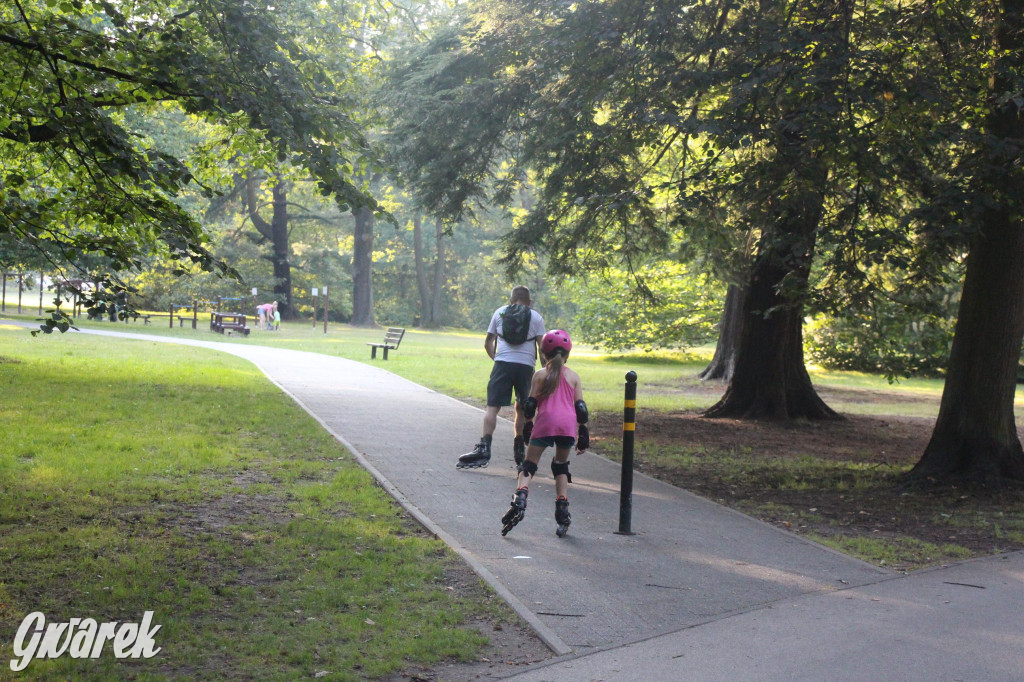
770	380
730	325
282	252
275	232
362	269
975	436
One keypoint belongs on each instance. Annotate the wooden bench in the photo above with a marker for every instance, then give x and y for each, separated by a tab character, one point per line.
228	322
392	338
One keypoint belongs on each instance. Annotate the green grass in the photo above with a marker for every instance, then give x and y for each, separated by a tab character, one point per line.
894	551
453	362
140	476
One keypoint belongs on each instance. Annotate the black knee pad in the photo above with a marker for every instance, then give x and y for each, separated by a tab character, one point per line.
529	468
559	468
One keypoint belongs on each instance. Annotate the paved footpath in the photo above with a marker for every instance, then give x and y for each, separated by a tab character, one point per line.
699	592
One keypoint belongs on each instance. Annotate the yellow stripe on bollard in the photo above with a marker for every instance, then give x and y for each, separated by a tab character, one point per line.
629	426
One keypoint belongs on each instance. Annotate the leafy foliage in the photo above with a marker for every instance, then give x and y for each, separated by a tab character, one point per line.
679	308
888	338
710	126
75	174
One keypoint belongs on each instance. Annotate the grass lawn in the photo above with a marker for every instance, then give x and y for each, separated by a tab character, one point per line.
837	483
453	362
139	477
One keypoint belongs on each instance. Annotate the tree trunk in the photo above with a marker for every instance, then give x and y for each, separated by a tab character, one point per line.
437	286
275	232
282	252
770	380
729	327
362	269
426	307
975	436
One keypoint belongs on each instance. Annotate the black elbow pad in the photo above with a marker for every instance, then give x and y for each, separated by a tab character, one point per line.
581	412
530	407
583	442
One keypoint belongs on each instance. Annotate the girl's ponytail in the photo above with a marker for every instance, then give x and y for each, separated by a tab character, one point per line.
556	362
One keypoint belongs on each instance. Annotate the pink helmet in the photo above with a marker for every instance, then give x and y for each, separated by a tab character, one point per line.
553	340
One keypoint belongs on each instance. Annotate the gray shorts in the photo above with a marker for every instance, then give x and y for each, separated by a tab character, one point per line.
506	377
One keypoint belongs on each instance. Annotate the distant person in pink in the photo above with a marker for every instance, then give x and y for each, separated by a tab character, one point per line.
556	400
265	312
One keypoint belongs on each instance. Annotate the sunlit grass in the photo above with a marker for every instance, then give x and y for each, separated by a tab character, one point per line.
894	552
453	362
142	476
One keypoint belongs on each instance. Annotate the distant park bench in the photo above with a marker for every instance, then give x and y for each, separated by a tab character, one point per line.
228	322
147	318
392	338
182	319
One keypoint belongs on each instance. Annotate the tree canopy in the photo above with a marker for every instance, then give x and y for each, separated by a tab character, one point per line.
77	176
846	141
851	159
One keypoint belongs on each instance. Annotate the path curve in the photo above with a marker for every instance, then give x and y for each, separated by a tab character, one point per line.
694	594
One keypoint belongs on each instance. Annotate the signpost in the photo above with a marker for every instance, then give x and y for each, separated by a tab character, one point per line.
315	292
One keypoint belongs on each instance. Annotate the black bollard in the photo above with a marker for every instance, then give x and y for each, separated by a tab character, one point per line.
628	429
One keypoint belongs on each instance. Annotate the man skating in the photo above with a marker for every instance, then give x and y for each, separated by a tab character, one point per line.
512	343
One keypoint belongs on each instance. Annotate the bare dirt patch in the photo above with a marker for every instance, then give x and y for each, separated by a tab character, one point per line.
836	481
512	644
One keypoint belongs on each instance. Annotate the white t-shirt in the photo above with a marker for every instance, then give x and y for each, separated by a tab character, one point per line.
526	352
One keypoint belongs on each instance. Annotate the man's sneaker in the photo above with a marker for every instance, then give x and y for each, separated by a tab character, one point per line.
479	457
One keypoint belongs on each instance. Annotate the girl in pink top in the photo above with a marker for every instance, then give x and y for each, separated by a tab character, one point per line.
556	399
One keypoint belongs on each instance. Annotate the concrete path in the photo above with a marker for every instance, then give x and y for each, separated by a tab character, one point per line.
698	592
962	623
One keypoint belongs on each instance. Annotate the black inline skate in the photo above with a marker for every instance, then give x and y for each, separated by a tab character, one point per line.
478	458
562	517
516	511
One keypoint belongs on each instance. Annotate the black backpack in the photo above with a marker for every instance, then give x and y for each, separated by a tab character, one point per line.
515	323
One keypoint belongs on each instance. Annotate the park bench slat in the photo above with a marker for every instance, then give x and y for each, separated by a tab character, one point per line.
392	339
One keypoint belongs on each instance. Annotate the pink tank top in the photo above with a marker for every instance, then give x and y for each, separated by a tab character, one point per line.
556	414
